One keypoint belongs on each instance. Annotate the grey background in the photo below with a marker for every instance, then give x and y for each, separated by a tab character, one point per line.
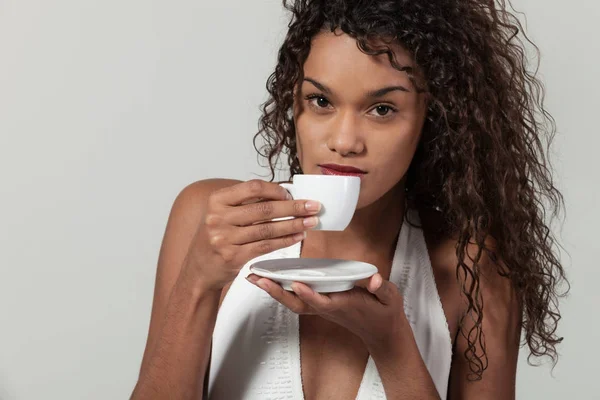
109	108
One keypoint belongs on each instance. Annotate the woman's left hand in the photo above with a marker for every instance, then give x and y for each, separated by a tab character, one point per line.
373	311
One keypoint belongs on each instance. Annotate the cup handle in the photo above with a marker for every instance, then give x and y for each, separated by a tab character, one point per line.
289	187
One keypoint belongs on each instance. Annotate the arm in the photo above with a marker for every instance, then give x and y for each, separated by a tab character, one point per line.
502	327
401	368
179	358
214	229
183	313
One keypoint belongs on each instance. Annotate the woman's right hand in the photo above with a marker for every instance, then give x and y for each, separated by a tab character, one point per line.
237	227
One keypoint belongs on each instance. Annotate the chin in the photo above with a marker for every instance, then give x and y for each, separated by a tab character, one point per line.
366	199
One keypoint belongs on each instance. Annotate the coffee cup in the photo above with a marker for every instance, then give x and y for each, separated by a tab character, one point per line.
337	194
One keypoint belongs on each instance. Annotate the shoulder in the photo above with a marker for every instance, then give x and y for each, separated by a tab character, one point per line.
193	196
481	266
196	193
185	215
446	259
188	209
187	212
499	314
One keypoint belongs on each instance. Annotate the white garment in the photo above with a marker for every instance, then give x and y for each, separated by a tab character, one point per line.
256	343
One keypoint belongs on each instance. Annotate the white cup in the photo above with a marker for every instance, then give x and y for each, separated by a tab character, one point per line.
338	196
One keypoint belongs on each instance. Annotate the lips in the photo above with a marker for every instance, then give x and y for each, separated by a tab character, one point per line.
343	170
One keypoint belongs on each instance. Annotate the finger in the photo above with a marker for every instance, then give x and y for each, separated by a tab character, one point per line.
251	190
362	283
256	249
319	302
288	299
252	278
267	210
382	289
271	230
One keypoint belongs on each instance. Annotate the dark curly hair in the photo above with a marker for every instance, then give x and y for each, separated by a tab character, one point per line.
481	162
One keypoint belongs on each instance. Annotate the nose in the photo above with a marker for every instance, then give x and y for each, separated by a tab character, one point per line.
344	136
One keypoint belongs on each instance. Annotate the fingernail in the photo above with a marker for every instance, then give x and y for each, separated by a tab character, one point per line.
288	195
301	290
297	288
263	285
312	205
310	222
252	279
300	236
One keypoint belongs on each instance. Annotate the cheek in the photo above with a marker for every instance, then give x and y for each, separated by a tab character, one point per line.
308	136
396	154
389	161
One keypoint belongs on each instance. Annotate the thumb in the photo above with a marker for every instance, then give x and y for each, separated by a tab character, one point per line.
382	289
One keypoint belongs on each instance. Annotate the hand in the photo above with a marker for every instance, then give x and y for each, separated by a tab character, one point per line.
237	227
373	311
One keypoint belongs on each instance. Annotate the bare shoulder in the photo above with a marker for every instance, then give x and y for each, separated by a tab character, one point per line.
190	207
197	193
185	216
444	259
500	319
490	267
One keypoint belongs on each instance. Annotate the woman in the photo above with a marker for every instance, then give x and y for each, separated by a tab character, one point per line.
431	102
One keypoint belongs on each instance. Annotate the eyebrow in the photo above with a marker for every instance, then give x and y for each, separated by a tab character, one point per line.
371	94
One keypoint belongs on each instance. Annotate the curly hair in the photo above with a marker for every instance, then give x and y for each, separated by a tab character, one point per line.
481	162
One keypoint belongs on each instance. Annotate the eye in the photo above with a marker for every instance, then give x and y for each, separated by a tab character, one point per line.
322	102
383	110
318	101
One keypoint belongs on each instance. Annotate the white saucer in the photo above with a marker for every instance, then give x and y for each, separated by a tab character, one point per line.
323	275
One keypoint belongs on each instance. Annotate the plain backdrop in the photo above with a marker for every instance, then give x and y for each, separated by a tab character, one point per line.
109	108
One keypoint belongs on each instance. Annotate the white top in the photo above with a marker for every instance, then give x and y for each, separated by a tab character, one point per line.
256	341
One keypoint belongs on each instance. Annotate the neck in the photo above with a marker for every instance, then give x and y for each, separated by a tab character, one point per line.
373	230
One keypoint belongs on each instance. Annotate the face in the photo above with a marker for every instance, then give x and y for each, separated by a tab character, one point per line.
357	110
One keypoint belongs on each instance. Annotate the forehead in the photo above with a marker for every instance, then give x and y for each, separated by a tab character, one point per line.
336	56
